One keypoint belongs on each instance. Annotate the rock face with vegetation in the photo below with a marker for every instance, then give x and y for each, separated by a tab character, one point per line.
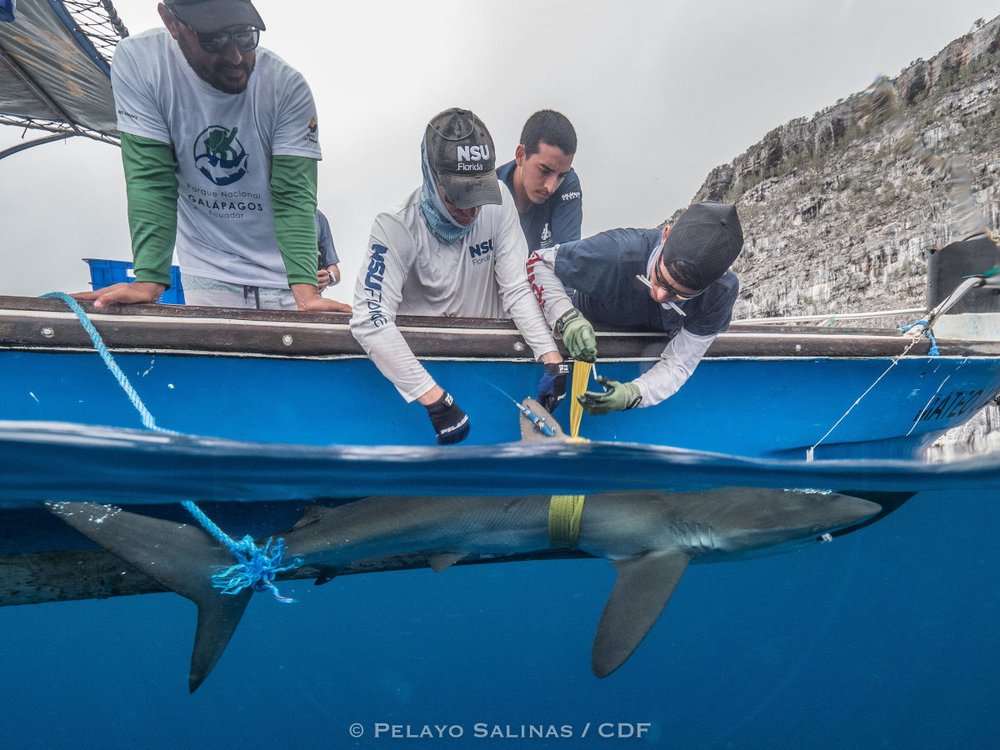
841	210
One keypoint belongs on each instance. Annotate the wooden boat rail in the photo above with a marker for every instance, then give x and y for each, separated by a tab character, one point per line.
36	324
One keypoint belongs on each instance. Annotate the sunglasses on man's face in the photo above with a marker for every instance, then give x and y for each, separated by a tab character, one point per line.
217	41
670	288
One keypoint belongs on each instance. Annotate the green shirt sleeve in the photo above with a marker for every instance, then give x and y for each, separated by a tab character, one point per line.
293	195
151	189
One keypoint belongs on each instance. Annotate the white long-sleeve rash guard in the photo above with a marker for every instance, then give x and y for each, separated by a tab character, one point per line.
411	272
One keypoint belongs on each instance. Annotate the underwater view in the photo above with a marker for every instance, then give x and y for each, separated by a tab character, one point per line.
884	637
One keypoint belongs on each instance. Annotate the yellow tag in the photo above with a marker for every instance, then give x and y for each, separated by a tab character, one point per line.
565	512
581	376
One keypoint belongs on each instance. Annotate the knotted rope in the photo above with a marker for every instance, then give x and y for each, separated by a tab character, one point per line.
933	351
256	567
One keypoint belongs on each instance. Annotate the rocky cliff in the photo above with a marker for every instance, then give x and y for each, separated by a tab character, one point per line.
841	209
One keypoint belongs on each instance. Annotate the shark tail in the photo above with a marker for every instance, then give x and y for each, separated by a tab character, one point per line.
642	589
177	556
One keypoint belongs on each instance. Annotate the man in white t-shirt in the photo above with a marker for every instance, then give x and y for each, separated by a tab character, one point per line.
454	248
220	148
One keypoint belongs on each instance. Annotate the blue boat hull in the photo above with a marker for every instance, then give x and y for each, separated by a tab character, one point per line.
745	407
775	394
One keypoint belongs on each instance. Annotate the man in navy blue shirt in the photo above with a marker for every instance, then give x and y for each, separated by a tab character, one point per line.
546	190
676	280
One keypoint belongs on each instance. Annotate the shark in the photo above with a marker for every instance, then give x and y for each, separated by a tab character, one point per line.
649	537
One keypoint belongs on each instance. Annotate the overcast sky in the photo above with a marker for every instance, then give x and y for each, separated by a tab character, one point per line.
660	92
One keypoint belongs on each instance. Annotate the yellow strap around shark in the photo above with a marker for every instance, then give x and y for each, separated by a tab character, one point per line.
565	512
581	375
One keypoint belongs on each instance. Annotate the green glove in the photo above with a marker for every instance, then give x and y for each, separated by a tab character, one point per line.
578	335
616	397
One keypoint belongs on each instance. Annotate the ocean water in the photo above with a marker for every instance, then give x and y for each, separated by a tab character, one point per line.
888	637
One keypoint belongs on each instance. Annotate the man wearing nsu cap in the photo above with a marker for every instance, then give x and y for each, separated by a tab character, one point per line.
220	148
676	280
454	248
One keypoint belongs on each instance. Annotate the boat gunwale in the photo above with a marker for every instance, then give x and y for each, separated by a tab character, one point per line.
36	324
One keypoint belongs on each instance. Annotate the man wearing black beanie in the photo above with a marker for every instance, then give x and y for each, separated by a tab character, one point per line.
676	280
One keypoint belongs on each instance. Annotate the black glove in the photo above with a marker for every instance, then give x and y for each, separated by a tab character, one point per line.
552	386
450	423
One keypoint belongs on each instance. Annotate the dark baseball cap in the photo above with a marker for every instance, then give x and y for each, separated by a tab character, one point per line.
702	244
460	153
206	16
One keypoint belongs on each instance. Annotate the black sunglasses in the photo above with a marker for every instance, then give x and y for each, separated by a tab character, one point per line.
671	289
218	41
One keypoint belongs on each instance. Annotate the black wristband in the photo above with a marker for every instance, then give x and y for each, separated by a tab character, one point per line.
565	318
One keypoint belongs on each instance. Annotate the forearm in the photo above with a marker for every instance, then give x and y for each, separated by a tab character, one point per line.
679	359
392	356
293	195
516	296
377	294
151	189
548	290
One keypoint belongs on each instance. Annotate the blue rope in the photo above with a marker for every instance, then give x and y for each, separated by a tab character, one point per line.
147	418
255	566
933	351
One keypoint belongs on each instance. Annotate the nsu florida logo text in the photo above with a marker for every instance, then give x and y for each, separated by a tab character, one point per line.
470	158
373	284
481	253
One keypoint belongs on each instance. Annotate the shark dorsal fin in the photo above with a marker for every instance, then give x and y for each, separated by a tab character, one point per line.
530	430
642	590
179	557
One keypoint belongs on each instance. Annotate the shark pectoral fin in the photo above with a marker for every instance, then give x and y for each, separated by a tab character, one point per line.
643	588
444	560
217	621
181	558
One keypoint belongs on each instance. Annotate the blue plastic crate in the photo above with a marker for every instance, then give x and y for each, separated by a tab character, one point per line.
107	272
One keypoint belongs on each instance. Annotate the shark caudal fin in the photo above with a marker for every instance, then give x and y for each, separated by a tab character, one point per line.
537	423
642	590
177	556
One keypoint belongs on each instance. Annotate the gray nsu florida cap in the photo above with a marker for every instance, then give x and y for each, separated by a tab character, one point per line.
206	16
461	155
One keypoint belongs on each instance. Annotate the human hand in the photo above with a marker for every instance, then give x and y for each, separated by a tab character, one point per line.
552	386
329	276
308	298
578	335
616	397
450	423
136	292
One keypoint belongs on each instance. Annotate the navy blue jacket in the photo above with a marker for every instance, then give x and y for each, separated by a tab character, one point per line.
601	272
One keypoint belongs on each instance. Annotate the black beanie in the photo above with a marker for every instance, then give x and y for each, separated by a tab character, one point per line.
703	244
